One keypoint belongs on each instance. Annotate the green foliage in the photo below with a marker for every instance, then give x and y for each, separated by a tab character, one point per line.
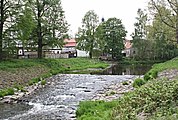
147	77
10	91
154	74
125	83
95	110
15	63
114	34
86	35
19	87
5	92
154	98
138	82
43	82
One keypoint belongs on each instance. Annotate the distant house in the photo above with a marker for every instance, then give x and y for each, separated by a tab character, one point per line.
128	48
69	48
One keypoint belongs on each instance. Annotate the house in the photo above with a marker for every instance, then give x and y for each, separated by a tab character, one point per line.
128	48
69	50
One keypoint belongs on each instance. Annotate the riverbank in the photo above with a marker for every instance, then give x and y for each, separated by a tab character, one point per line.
157	99
20	75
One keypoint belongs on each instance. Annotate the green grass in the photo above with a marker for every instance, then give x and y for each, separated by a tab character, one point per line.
171	64
95	110
7	91
53	66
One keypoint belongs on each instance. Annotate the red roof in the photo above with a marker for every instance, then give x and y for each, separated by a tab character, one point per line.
128	44
70	42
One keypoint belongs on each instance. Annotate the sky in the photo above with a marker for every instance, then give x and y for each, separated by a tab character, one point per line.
126	10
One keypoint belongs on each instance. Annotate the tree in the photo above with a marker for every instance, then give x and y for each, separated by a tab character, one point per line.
139	35
9	9
49	16
56	25
114	35
170	18
86	35
25	27
162	36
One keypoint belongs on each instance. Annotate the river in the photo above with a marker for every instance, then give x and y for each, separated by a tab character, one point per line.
59	99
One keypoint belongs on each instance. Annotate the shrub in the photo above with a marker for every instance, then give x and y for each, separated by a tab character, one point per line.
10	91
30	82
147	77
19	87
138	82
154	74
2	93
125	83
43	82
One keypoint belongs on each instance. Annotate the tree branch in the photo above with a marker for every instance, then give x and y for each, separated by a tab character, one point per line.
161	16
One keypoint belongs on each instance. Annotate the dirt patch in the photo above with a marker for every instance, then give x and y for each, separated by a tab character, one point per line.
20	76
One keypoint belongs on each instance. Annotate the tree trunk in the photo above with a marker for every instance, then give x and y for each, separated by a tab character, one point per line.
39	40
39	32
177	29
91	50
1	28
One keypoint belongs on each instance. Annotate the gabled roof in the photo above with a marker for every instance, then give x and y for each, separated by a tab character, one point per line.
128	44
70	42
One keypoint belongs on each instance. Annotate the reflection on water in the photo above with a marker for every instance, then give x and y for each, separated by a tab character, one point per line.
122	69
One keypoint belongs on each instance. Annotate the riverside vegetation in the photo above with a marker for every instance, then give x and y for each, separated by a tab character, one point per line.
15	74
154	98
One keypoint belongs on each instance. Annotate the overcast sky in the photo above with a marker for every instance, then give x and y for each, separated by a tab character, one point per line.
126	10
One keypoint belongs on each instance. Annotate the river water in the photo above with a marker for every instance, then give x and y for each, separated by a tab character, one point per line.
59	99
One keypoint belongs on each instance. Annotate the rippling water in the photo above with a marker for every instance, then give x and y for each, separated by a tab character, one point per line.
59	100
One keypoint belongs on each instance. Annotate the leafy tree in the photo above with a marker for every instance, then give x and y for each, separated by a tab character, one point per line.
169	18
100	35
163	37
114	33
25	27
139	35
50	26
56	25
9	10
86	35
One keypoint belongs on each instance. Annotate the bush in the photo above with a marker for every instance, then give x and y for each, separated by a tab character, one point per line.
157	98
125	83
19	87
154	74
138	82
147	77
10	91
43	82
2	93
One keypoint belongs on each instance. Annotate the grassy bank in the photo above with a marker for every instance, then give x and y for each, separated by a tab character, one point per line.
22	72
155	100
130	61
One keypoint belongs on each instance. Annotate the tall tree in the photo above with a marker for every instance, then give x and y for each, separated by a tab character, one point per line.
25	27
171	18
9	9
139	35
56	25
86	35
115	34
48	12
